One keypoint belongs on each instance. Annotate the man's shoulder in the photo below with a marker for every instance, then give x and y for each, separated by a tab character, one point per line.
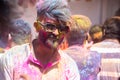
99	44
65	57
19	47
17	53
107	44
80	53
106	47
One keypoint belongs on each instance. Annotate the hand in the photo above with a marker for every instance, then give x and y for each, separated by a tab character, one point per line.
25	77
22	77
2	50
88	45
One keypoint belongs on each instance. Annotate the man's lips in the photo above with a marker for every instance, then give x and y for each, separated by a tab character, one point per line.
49	39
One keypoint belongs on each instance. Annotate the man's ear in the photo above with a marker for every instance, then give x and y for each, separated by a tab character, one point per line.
64	45
37	26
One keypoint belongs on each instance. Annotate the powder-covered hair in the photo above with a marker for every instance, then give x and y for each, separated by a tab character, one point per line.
20	31
54	9
6	15
83	22
79	29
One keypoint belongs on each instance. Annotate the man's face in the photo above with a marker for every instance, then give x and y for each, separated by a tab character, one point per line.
50	34
97	37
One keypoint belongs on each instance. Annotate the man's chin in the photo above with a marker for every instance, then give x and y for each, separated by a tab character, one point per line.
51	44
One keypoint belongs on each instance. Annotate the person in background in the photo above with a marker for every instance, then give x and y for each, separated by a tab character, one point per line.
20	32
5	17
85	23
88	61
109	49
10	10
45	61
96	33
29	13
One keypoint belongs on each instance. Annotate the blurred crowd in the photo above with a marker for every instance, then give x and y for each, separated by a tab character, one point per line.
57	45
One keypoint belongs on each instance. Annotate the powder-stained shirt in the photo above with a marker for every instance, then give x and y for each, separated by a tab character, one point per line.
88	61
20	65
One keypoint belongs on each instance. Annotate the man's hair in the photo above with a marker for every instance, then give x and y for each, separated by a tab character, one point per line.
82	21
78	31
6	15
54	9
20	32
94	29
111	28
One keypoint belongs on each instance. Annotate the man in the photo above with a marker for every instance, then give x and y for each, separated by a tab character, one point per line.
109	49
5	11
96	33
88	62
20	33
45	61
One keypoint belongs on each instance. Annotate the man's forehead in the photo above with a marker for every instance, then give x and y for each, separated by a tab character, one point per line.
44	20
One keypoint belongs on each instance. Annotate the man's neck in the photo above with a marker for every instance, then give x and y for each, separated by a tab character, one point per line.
45	56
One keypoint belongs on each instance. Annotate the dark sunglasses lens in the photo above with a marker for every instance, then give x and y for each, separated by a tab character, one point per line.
50	26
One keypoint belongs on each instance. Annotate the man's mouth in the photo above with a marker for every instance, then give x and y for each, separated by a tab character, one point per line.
49	39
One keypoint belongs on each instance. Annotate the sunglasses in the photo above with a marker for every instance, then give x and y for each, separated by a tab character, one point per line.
51	26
